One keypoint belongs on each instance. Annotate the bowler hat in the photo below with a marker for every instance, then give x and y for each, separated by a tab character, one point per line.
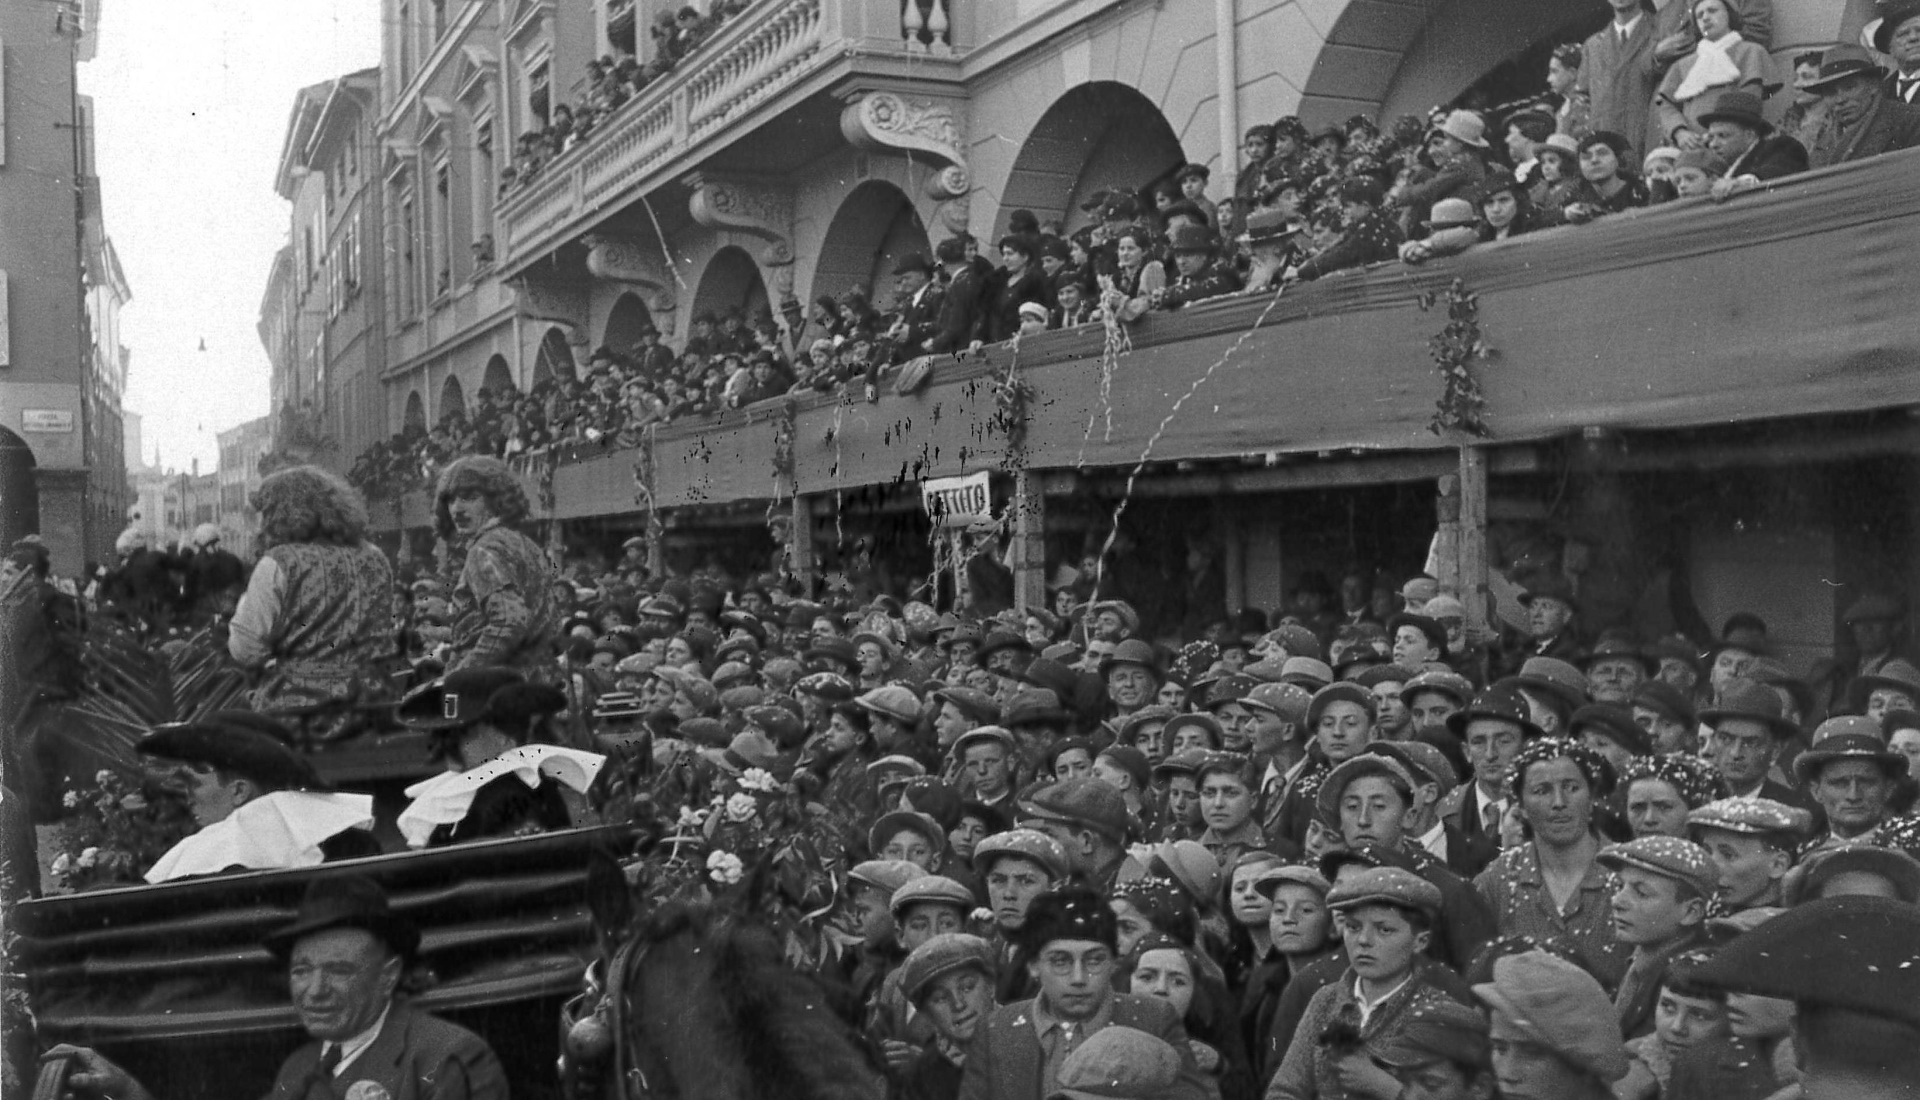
1133	651
1742	108
347	901
1503	702
1843	63
1743	698
249	745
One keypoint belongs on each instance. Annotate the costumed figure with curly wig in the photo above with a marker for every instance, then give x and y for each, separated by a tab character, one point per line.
317	613
503	610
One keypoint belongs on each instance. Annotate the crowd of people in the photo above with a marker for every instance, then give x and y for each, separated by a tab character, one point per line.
1343	850
1655	108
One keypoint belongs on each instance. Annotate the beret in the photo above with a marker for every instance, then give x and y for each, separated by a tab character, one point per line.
1751	816
942	955
1670	857
1084	801
1386	886
1874	967
1028	844
938	888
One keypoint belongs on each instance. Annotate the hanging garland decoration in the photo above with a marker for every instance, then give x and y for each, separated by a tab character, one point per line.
1462	406
643	486
783	431
1117	342
1012	395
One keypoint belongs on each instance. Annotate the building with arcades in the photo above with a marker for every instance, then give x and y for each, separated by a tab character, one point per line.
806	145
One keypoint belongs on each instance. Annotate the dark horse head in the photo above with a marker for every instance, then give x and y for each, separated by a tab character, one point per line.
700	1002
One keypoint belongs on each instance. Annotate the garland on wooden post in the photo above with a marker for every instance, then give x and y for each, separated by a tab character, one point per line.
1011	397
1462	406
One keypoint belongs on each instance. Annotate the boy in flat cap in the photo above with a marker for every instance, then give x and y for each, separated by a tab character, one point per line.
1021	1052
949	980
1441	1053
1553	1030
1752	843
1660	908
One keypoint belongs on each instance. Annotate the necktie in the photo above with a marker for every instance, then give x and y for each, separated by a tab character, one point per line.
1906	86
1490	820
322	1076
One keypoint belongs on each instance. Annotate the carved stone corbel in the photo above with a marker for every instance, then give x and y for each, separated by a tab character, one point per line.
626	261
742	206
886	122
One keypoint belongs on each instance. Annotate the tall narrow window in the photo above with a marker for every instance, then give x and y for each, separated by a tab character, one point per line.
409	273
539	95
484	174
442	227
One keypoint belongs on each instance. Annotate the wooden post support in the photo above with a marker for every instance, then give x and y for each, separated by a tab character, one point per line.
1029	557
1234	563
800	542
1472	543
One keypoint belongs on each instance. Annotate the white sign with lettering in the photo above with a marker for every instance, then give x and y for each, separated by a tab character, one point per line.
46	420
959	502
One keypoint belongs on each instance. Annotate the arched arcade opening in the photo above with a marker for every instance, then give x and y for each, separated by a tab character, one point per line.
453	399
1097	137
625	322
874	229
414	422
554	359
19	492
731	281
497	380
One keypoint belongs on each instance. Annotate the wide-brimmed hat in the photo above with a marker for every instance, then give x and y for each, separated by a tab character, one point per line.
1843	63
1452	213
1848	746
1561	145
1881	31
1267	225
347	901
1737	107
1466	127
241	742
1895	675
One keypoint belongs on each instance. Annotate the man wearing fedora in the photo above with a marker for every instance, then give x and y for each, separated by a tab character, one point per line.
345	953
1201	275
1898	36
918	319
1745	141
1869	120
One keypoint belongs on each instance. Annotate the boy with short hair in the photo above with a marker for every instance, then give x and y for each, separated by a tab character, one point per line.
1660	908
949	981
1018	865
1685	1017
928	906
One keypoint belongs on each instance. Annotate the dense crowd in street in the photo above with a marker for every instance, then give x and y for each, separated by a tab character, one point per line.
1345	849
1656	108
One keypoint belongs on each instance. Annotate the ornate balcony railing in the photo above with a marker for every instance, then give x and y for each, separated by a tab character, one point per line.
768	50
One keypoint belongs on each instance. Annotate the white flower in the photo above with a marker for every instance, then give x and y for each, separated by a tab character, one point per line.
740	807
103	777
691	818
88	857
70	800
758	779
61	864
725	868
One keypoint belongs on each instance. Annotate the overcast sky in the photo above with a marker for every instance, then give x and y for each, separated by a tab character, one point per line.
192	98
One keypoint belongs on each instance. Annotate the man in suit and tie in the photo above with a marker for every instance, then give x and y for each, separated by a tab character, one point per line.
1492	728
1618	74
345	952
1898	36
1072	938
919	316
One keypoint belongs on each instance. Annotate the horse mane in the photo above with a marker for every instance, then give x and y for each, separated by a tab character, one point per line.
791	1041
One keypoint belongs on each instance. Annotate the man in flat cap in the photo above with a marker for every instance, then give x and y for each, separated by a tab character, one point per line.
1021	1051
1856	996
259	804
345	953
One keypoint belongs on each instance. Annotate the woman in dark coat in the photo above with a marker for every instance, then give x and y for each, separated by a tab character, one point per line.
1017	282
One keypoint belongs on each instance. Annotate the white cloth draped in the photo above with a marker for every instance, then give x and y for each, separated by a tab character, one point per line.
281	829
1712	68
446	798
